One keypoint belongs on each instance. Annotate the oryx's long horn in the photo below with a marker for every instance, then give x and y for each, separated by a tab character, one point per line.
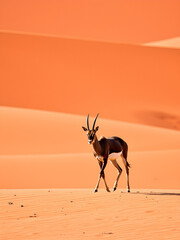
88	121
95	121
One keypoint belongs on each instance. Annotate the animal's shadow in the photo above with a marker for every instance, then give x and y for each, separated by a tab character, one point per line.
157	193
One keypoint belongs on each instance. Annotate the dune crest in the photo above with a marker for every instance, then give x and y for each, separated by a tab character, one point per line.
166	43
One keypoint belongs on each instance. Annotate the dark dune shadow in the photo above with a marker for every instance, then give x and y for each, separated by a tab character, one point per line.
157	193
159	119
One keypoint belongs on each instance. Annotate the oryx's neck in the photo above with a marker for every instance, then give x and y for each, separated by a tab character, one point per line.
97	146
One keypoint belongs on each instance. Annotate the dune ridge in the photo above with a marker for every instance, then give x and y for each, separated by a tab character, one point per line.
66	37
123	21
47	84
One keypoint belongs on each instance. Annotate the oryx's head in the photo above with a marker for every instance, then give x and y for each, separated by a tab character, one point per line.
91	133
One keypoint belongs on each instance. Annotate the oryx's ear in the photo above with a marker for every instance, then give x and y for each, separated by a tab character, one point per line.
85	129
97	128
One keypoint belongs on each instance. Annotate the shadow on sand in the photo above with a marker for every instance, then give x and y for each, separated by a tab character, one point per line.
157	193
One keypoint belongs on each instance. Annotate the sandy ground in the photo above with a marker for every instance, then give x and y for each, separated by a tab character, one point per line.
81	214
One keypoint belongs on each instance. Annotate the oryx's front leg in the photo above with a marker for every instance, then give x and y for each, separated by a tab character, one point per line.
102	175
114	162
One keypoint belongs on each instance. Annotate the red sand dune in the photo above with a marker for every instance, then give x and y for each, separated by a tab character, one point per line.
122	82
46	149
135	21
37	132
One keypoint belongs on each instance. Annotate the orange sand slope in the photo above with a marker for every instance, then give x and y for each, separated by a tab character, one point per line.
80	214
123	82
46	149
121	21
38	132
154	169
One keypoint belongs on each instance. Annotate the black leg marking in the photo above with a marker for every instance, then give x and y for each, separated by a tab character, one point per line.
102	166
114	162
126	164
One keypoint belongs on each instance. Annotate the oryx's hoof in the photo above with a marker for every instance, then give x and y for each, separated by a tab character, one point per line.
108	190
95	190
128	190
114	189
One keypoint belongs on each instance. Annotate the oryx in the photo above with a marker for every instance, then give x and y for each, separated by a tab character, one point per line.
108	149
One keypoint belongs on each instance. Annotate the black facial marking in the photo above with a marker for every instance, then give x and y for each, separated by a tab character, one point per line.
91	135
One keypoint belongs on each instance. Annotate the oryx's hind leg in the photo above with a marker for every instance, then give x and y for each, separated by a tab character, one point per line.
114	162
103	176
126	164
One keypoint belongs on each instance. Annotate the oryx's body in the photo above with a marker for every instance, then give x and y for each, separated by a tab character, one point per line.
108	149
